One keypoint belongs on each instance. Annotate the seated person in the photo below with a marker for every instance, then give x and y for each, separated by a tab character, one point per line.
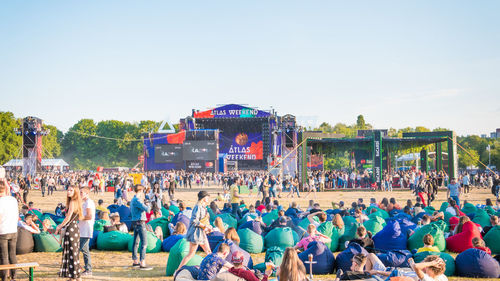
280	222
47	226
453	208
180	229
313	235
360	216
100	206
29	224
251	214
241	271
116	225
24	210
478	243
321	216
364	238
424	220
431	269
219	225
214	262
357	271
428	244
493	221
293	212
60	210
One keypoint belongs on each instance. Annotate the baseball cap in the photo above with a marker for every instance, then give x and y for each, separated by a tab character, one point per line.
237	257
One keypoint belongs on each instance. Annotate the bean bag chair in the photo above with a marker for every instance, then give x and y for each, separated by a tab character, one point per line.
336	233
46	242
183	219
247	260
401	216
304	223
228	220
344	259
350	227
416	240
251	241
482	218
469	208
296	229
123	210
161	222
490	210
444	206
492	239
177	253
380	213
476	263
391	237
25	242
374	224
93	240
57	219
187	273
463	241
397	258
99	224
448	259
253	225
226	276
268	218
170	241
406	224
166	214
36	213
53	224
281	237
326	229
325	261
274	255
418	217
453	222
153	243
214	238
246	218
113	241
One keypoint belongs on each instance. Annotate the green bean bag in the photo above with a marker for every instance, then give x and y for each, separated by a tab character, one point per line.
99	224
270	217
490	210
380	213
304	223
336	233
174	209
251	241
492	239
228	220
46	242
448	259
154	244
350	227
53	224
416	240
482	218
274	255
36	213
281	237
326	229
161	222
177	253
113	241
429	210
444	205
374	224
469	208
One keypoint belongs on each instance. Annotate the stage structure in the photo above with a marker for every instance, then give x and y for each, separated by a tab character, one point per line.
32	132
233	137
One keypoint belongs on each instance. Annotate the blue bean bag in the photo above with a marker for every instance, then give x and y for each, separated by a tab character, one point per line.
214	238
124	211
325	261
476	263
391	237
93	240
344	259
397	258
247	260
170	241
253	225
184	219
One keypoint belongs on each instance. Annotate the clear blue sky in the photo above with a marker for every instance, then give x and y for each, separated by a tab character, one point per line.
399	63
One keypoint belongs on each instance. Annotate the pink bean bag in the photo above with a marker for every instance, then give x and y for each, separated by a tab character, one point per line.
463	241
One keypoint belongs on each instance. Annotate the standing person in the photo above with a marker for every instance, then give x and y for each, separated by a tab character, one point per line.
235	198
9	216
43	182
138	210
198	225
86	229
272	187
52	186
454	191
24	187
70	266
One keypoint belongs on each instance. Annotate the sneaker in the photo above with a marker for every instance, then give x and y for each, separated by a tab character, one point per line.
145	268
87	273
136	265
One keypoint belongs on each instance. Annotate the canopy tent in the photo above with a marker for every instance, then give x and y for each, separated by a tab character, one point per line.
47	164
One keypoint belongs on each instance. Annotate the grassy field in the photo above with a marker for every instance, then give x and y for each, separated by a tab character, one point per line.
116	265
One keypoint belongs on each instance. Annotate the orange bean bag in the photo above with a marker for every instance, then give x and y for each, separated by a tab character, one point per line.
463	241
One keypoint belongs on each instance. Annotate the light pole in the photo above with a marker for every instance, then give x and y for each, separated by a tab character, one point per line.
489	155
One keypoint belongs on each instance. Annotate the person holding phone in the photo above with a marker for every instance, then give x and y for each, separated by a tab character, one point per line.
8	229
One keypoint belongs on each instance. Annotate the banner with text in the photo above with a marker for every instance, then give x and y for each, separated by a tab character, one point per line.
242	146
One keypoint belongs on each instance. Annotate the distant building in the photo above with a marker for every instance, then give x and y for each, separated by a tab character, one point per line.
498	133
493	135
483	136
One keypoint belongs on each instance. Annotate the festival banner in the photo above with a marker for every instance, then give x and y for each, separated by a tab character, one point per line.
231	111
241	146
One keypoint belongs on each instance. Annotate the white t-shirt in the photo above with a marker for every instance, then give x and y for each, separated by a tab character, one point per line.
9	215
87	226
451	210
441	277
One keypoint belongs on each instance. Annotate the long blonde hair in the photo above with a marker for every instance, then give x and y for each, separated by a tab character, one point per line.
292	268
232	235
219	224
76	201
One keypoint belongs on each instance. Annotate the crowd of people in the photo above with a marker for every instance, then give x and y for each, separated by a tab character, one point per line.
157	191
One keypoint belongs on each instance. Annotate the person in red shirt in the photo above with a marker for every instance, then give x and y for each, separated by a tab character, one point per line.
478	243
239	269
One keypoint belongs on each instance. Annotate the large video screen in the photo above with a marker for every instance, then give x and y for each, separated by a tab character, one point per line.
168	153
241	146
199	150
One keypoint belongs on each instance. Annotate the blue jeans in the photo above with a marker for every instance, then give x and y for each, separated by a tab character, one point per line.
139	237
296	189
235	210
272	192
85	249
456	200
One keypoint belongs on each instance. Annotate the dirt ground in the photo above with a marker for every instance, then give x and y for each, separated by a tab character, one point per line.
116	265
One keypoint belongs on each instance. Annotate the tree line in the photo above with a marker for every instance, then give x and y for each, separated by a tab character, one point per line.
117	143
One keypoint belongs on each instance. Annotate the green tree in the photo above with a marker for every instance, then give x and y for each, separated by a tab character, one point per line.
52	142
466	160
10	143
360	122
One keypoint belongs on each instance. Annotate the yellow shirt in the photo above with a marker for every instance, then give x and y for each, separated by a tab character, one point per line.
234	189
428	249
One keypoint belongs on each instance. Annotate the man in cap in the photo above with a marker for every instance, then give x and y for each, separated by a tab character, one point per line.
239	269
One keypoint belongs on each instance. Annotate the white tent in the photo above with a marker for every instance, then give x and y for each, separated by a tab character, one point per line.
58	164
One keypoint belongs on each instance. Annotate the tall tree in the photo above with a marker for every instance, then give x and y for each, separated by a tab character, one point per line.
10	143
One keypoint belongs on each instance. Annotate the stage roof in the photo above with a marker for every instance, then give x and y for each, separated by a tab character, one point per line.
45	162
231	111
365	143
